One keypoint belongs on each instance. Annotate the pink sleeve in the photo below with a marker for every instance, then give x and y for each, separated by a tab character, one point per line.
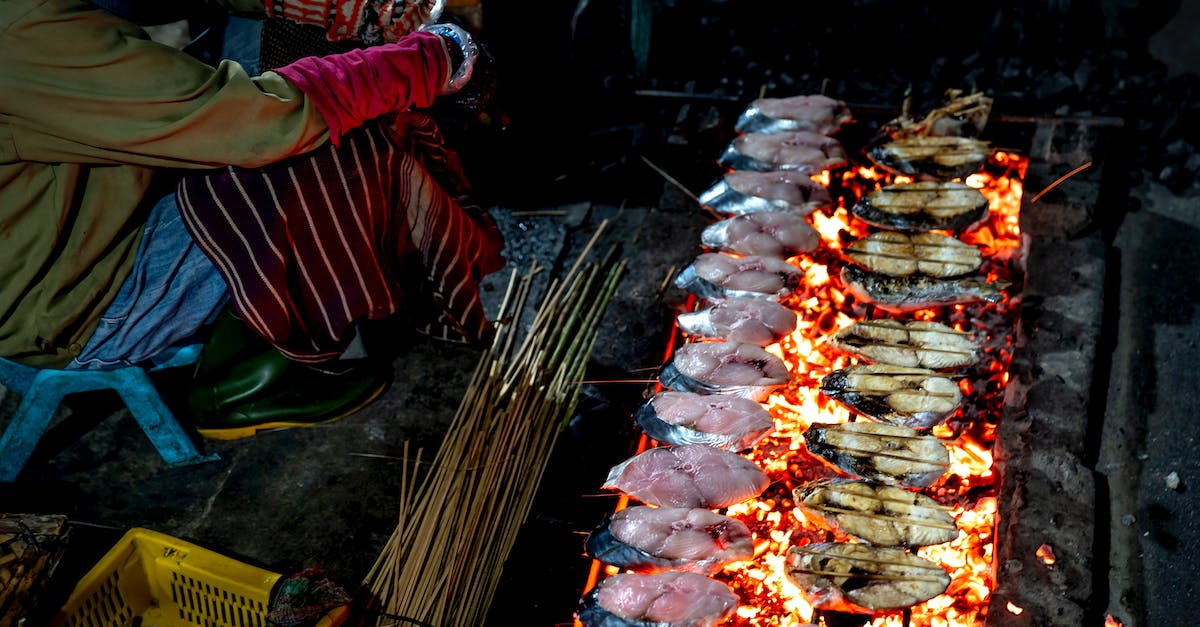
352	87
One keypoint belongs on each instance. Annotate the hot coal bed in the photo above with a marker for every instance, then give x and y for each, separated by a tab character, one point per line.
1017	485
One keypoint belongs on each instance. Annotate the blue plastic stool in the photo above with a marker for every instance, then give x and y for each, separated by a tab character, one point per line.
42	390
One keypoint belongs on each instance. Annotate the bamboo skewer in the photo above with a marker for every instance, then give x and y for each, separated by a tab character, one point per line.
457	525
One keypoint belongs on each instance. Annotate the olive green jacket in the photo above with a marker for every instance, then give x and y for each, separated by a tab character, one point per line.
91	110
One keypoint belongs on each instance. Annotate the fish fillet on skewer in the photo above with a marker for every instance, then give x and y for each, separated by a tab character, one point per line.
899	395
657	600
741	192
751	320
687	475
880	452
717	276
899	254
766	233
861	578
923	206
915	344
655	539
816	113
932	158
728	422
733	368
877	514
785	150
910	293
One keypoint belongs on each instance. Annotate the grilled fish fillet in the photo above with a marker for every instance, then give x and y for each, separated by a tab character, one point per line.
876	514
880	452
923	206
900	254
861	578
940	158
911	397
899	294
916	344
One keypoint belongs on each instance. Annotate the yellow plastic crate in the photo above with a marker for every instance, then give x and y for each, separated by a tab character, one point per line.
166	582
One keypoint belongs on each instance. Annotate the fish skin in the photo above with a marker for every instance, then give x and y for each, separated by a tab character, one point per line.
831	592
907	397
888	454
691	279
766	233
928	216
758	321
894	516
822	114
773	371
903	294
687	475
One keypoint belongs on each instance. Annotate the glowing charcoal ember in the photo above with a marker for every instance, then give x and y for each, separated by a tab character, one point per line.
877	514
743	192
863	579
940	158
899	254
751	320
655	539
728	422
734	368
688	475
917	343
899	395
901	294
816	113
657	600
717	276
767	233
786	150
923	206
880	452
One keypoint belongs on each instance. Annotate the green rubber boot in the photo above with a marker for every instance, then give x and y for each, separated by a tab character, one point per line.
243	385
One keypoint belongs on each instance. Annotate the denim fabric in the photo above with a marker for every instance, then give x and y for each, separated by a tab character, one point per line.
172	292
242	43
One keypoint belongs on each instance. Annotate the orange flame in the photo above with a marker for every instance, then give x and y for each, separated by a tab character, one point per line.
1112	621
1046	552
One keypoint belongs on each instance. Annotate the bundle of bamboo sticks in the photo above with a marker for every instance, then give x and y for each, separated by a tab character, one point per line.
443	562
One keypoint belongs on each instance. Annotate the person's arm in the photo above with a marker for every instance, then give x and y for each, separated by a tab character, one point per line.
79	84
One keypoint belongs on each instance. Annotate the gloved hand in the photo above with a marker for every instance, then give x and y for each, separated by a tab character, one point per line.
368	21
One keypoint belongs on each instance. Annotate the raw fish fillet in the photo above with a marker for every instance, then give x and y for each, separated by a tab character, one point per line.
861	578
728	422
656	539
766	233
716	276
784	150
657	600
687	475
817	113
744	191
733	368
750	320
